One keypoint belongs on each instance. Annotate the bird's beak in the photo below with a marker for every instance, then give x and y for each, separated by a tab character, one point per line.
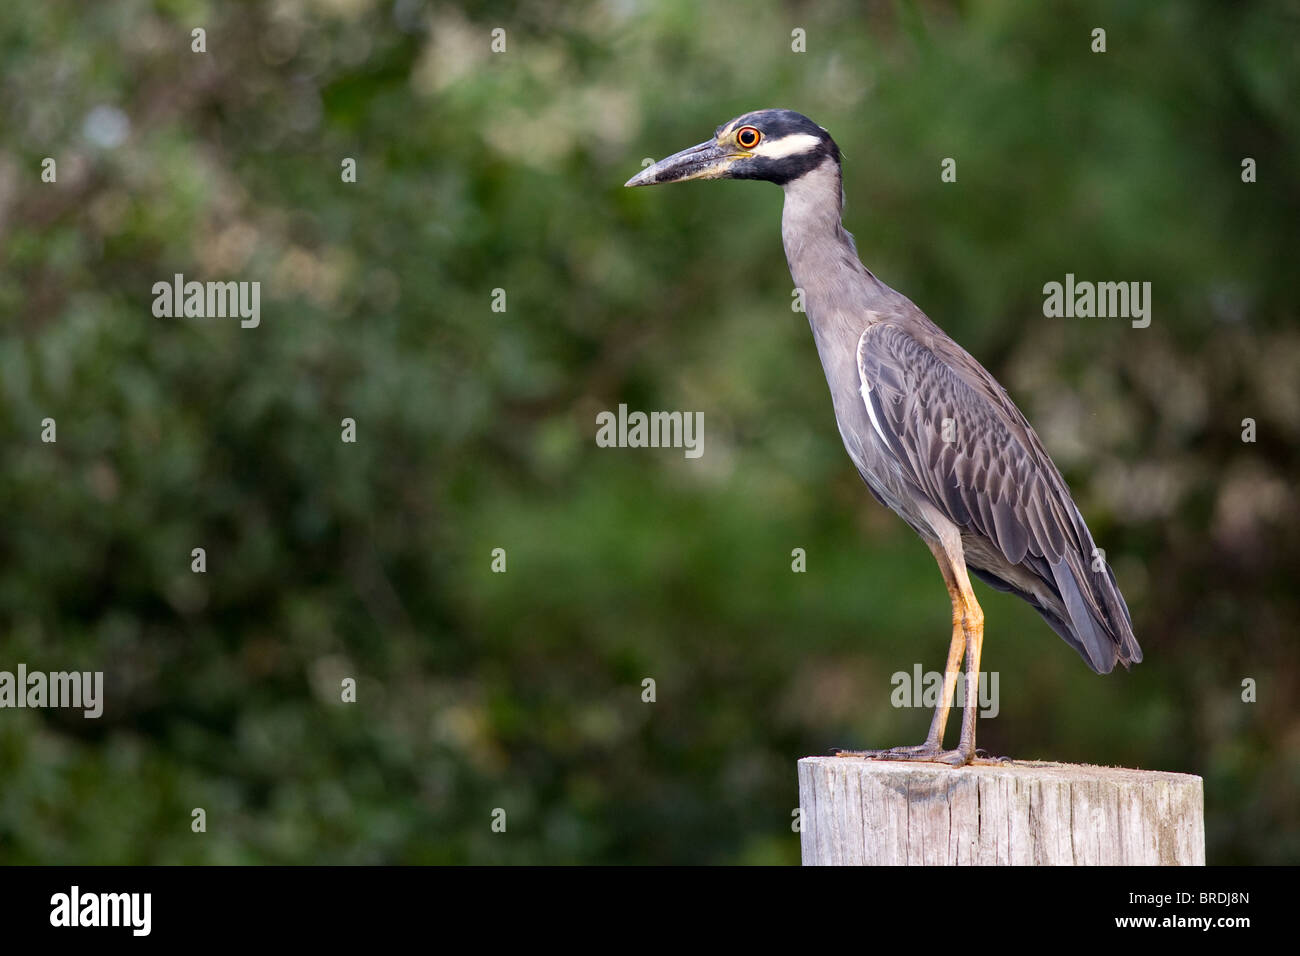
706	161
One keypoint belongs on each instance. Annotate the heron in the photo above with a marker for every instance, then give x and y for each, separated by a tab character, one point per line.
933	434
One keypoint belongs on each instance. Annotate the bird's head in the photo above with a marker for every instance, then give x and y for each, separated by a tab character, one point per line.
774	145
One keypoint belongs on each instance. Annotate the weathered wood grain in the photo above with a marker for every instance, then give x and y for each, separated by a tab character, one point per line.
870	812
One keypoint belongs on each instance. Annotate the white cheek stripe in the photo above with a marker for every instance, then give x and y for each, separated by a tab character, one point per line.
786	146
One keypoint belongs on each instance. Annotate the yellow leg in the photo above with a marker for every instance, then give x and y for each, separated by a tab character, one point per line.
939	723
967	640
973	625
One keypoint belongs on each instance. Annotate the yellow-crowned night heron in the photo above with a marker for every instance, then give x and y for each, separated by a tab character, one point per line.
934	435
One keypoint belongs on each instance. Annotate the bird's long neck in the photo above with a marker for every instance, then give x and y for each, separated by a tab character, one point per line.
814	203
822	256
840	294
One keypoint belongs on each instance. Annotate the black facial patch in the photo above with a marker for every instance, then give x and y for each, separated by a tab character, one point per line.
779	171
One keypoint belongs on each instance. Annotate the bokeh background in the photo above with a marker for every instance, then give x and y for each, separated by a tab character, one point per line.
479	171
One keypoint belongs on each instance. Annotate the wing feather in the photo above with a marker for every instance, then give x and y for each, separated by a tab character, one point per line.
960	448
969	451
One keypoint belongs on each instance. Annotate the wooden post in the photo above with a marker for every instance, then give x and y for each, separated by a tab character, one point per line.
873	812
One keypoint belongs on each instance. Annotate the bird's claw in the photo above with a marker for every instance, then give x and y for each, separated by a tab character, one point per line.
920	753
927	753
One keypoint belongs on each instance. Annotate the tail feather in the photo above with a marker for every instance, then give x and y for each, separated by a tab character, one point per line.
1089	612
1093	638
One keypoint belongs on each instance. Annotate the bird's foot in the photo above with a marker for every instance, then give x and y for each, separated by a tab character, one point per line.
928	753
921	753
983	759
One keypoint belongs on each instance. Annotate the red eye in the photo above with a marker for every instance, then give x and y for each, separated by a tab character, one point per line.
748	137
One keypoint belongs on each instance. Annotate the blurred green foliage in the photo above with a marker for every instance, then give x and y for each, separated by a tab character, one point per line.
480	171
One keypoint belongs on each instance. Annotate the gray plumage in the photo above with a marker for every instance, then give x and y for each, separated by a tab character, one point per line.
994	482
932	433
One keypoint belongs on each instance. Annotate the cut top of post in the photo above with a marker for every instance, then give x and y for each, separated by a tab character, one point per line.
878	812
